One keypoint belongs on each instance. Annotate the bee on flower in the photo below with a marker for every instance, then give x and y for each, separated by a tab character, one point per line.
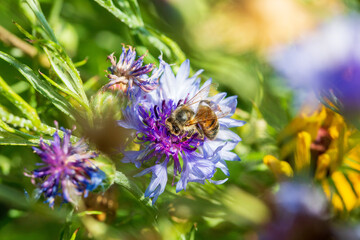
67	170
179	123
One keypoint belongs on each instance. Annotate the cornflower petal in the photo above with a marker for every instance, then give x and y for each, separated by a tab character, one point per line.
158	180
129	74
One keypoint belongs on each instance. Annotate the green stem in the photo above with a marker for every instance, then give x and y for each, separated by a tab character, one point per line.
125	182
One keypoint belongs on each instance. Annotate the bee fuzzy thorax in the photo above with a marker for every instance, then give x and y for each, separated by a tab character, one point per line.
200	123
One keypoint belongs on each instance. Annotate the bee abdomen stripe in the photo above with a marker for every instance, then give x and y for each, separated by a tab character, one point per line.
213	122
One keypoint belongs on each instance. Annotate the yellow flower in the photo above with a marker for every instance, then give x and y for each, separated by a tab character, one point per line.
319	143
281	169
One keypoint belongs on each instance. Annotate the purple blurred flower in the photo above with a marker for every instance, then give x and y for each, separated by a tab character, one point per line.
66	169
328	62
195	159
300	212
128	73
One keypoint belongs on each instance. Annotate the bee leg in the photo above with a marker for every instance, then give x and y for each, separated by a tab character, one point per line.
188	135
200	132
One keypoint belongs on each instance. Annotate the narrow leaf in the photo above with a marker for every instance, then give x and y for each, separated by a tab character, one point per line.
129	21
64	90
7	138
65	69
73	237
17	121
60	61
20	103
35	7
40	85
125	182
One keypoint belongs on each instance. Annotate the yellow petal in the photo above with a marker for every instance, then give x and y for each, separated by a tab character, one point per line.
302	153
345	190
353	158
322	166
281	169
335	199
355	180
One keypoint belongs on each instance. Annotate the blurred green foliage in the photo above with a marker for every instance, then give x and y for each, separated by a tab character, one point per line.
80	34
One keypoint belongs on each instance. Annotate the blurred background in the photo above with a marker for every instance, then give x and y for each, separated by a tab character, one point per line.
231	40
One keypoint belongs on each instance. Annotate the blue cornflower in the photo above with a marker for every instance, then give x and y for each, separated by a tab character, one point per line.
67	170
196	158
328	62
129	73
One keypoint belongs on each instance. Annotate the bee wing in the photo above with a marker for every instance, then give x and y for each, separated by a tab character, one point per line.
220	113
202	94
196	121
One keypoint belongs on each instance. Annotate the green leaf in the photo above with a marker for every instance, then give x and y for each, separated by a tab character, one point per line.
35	7
80	214
131	16
151	40
6	127
108	167
191	234
13	197
40	85
23	31
175	48
7	138
131	21
20	103
65	69
81	63
24	123
74	234
60	61
64	90
11	136
57	65
126	182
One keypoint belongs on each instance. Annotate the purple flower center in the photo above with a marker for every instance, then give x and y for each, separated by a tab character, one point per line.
66	169
161	140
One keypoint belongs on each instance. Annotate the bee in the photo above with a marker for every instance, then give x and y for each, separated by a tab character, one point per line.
186	122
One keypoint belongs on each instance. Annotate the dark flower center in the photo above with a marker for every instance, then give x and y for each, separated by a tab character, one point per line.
161	140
